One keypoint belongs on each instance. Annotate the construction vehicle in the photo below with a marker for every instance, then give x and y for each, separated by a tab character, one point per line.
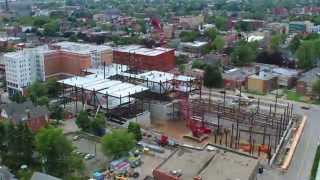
163	141
198	131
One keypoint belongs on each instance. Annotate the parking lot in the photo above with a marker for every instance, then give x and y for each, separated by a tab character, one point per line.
86	145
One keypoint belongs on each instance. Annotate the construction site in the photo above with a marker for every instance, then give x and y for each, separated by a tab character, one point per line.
177	106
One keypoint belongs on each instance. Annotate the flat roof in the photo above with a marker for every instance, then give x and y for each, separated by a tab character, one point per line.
81	48
158	76
104	86
137	49
110	70
188	161
230	166
220	164
195	44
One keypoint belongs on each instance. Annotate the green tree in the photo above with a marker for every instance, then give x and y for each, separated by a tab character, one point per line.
83	121
43	101
117	143
56	112
51	28
211	34
306	55
182	68
37	90
218	43
221	22
20	146
188	36
295	43
53	87
135	129
316	88
198	64
56	153
98	125
244	53
275	43
212	77
18	98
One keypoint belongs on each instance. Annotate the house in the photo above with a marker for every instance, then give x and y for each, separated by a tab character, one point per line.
236	77
187	164
262	82
195	47
286	77
36	117
300	26
216	59
42	176
5	174
306	80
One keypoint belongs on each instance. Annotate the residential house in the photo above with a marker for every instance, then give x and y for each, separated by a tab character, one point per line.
262	82
42	176
305	82
237	77
36	117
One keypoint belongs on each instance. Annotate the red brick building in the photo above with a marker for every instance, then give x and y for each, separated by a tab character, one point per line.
161	59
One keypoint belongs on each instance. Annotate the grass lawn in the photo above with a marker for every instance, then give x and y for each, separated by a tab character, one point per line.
294	96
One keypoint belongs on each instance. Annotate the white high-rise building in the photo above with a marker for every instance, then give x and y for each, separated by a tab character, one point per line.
24	67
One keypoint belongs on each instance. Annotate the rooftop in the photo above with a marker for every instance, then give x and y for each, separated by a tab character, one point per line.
194	44
137	49
221	164
310	76
81	48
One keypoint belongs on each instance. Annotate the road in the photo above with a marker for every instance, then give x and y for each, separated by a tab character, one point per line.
301	164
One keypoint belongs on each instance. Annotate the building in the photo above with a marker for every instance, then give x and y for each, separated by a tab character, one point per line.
305	82
61	59
300	26
286	77
216	59
315	29
195	47
138	57
188	22
234	78
5	174
35	117
42	176
188	164
262	82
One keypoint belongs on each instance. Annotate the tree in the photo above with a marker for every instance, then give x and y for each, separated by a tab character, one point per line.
117	143
135	129
275	43
211	34
56	112
20	146
51	28
295	43
43	101
36	90
18	98
221	22
56	153
198	64
98	125
244	53
306	55
53	87
218	43
316	88
83	121
212	77
188	36
182	68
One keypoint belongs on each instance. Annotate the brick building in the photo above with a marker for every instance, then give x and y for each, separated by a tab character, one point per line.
161	59
61	59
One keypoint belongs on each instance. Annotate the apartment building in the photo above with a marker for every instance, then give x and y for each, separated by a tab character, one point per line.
60	59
